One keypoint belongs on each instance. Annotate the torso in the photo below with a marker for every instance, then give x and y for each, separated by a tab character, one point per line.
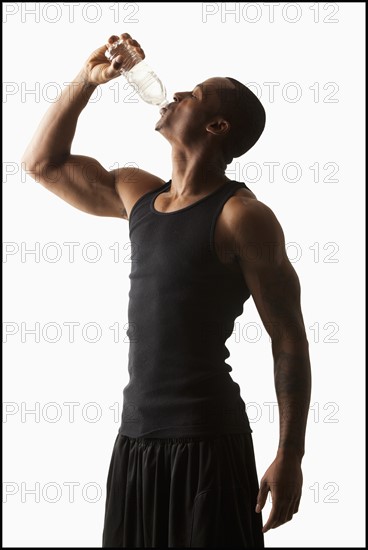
222	238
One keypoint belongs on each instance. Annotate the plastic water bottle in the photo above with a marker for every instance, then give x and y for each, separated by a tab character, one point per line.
149	87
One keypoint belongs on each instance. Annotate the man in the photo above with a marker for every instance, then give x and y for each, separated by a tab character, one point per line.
183	471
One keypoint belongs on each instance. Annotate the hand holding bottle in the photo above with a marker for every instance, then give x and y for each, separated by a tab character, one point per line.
99	70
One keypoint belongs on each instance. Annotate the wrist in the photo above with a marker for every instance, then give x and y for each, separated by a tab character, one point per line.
80	89
83	79
290	452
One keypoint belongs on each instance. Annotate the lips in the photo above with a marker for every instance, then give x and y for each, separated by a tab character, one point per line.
168	107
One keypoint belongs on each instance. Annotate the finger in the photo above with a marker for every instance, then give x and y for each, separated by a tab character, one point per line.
281	521
272	519
290	512
114	69
280	514
262	496
133	43
113	39
117	63
296	507
137	48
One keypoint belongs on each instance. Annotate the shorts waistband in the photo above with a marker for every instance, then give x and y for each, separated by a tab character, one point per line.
180	439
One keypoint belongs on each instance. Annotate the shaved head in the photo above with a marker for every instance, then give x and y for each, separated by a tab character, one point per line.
246	115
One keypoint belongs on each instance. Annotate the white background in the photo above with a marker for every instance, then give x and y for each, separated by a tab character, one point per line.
185	46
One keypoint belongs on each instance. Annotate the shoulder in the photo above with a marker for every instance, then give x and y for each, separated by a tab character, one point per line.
251	224
132	182
133	176
250	230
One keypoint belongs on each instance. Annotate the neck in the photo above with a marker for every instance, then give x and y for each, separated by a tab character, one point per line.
196	172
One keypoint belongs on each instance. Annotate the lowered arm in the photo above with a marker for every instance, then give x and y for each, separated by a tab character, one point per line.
259	247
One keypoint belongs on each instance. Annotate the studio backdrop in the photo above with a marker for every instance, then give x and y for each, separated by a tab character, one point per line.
66	273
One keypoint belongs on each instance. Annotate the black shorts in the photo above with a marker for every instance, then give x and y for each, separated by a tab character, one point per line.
182	492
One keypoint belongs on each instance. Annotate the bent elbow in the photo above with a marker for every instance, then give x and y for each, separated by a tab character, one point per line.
27	163
34	167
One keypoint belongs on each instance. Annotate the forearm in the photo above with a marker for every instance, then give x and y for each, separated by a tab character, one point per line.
51	143
292	375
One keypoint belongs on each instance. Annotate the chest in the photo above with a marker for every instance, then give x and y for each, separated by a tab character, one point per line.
223	240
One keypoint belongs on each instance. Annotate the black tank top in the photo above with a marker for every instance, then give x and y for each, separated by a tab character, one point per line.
182	305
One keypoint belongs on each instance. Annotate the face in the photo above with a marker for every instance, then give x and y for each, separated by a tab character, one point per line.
186	120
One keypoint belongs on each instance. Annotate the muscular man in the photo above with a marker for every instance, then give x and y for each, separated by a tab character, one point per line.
182	471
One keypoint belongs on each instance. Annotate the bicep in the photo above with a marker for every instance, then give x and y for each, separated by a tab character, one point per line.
275	289
85	184
269	275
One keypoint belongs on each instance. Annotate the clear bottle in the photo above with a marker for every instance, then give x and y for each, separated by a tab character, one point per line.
149	87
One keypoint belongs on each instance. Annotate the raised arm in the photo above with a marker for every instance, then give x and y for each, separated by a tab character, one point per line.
77	179
259	246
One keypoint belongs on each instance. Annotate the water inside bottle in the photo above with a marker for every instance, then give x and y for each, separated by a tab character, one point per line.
140	75
148	85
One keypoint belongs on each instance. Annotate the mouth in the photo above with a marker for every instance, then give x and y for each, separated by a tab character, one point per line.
167	107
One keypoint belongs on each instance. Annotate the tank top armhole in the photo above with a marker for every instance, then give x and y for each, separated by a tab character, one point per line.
142	197
231	191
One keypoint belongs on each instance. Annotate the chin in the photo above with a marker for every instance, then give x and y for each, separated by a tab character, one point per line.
164	130
160	128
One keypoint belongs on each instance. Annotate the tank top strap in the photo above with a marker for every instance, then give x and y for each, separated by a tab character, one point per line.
227	192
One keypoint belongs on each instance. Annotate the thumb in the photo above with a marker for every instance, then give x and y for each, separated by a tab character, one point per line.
262	495
114	69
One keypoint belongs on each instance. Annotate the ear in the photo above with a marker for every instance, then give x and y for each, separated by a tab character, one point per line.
218	127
